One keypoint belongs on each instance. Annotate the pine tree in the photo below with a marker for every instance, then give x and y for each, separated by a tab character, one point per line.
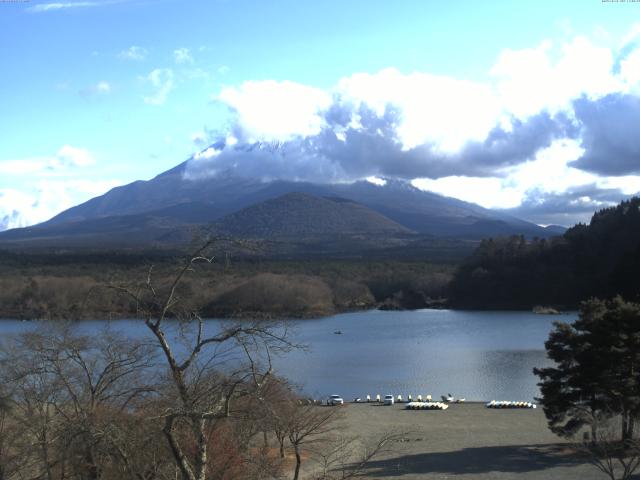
597	371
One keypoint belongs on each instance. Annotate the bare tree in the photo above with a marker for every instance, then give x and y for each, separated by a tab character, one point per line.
10	434
67	393
34	394
617	459
278	402
344	457
308	426
209	370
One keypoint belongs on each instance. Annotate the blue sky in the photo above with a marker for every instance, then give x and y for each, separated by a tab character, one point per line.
95	94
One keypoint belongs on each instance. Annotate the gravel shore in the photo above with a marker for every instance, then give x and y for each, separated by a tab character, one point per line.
467	441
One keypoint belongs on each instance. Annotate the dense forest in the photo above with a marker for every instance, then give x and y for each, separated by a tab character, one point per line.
75	286
601	259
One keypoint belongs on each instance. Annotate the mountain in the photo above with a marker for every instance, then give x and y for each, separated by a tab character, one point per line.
126	231
601	259
299	215
556	229
166	209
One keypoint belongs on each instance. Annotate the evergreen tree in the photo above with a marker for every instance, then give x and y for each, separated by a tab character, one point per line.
597	371
601	259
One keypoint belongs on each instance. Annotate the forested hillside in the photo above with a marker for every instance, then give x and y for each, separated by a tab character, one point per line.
74	286
600	259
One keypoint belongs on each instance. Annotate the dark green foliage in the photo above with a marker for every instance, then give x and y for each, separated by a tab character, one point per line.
601	259
597	372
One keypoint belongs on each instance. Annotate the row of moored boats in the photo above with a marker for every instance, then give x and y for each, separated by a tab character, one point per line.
427	406
509	404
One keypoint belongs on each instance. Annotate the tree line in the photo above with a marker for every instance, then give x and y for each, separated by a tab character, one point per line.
230	288
596	260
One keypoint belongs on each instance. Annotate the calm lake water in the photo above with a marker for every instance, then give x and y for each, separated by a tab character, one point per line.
477	355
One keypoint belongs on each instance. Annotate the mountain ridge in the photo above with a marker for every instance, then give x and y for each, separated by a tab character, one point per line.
174	200
299	214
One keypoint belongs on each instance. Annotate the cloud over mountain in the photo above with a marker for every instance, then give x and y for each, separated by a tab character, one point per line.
566	208
431	129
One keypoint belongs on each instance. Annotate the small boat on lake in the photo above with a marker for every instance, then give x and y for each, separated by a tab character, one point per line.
338	332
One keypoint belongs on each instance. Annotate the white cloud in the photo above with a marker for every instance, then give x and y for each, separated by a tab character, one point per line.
56	6
42	187
273	110
549	171
26	166
76	157
442	111
488	192
548	78
17	209
46	198
523	79
103	87
134	52
381	182
495	142
162	81
628	184
182	55
45	7
66	158
630	70
207	154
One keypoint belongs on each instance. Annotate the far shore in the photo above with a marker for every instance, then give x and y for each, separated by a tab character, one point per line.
17	316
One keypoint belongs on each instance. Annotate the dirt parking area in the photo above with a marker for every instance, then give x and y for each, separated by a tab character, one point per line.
467	441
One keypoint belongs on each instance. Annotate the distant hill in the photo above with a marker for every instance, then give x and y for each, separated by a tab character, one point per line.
556	229
601	259
302	215
166	210
127	231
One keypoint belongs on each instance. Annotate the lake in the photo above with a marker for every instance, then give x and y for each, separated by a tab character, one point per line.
472	354
477	355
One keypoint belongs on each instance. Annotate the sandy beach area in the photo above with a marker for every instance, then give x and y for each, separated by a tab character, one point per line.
467	441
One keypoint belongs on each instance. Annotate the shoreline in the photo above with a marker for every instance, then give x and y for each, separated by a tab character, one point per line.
290	316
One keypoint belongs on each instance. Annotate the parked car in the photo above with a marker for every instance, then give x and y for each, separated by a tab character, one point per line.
388	400
335	400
